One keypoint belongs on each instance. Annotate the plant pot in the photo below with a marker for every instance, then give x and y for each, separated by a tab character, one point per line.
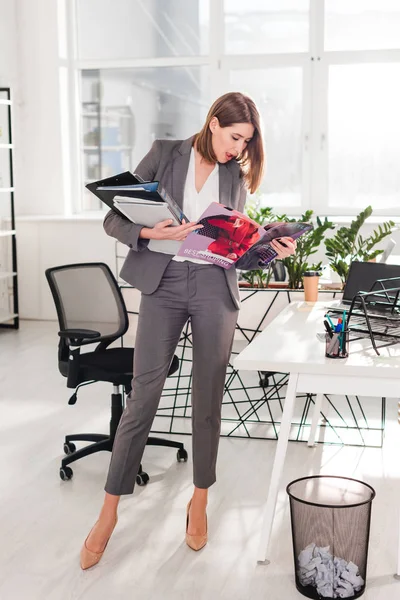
278	285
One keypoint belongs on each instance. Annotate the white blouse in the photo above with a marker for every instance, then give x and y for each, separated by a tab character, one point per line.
194	202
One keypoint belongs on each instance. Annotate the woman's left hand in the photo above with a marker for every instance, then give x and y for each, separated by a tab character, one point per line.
284	247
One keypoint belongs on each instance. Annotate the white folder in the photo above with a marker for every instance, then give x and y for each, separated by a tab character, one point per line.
149	213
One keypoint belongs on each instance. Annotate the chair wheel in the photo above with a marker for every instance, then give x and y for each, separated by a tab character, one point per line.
181	455
69	448
66	473
142	478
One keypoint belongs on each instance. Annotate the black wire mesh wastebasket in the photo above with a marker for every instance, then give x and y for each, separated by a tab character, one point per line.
330	528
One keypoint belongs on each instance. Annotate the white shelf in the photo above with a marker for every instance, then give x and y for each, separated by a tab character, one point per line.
8	279
4	317
6	274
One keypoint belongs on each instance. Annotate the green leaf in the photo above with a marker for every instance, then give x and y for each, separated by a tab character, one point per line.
348	244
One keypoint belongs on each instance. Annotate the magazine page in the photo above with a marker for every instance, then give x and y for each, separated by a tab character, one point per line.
262	254
226	235
282	229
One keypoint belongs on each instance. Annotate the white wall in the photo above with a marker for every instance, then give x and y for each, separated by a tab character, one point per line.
29	65
9	68
8	44
48	243
39	174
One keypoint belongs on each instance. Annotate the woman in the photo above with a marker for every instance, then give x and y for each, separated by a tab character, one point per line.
219	164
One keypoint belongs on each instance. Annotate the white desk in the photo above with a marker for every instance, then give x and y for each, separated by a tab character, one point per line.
289	345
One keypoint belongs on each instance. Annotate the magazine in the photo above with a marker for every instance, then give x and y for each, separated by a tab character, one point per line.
261	254
228	237
225	236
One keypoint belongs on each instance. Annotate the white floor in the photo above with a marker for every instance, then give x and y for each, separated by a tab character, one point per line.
43	521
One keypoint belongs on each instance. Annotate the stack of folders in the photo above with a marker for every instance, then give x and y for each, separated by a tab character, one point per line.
145	203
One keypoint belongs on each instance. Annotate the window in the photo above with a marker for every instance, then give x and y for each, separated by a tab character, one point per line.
278	95
362	24
125	110
364	136
324	75
142	29
266	26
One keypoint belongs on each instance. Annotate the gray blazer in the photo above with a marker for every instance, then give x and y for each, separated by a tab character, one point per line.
168	162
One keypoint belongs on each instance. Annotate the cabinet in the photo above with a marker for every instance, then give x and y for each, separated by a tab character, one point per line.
107	134
8	242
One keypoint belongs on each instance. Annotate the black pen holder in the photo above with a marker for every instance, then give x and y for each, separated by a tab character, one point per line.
337	346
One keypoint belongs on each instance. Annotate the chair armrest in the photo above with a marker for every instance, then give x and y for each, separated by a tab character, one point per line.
77	336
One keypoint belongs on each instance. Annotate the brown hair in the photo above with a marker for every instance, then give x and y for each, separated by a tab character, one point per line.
231	108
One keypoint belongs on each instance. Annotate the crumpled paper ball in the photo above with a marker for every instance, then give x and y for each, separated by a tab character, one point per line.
333	577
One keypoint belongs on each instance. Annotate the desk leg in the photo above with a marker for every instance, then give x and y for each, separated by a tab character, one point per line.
277	469
315	419
397	576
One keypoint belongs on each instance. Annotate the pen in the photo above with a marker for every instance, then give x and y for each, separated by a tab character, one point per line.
328	328
330	322
343	339
333	343
339	331
339	326
341	344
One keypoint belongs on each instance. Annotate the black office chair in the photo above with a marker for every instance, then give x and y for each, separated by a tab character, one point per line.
91	309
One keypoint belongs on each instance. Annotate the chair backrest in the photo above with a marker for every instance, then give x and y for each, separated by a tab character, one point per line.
87	296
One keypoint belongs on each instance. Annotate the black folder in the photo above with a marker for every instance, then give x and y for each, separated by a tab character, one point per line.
107	196
150	190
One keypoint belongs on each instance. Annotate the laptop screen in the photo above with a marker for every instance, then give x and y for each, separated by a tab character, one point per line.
362	276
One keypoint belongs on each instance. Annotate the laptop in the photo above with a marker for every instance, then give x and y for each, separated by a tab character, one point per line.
361	278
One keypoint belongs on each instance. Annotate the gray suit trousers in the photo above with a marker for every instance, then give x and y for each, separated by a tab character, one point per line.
187	290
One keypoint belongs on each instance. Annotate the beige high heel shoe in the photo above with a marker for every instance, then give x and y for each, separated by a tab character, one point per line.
195	542
90	558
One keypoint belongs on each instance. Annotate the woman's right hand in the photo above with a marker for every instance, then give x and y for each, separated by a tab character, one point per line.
164	231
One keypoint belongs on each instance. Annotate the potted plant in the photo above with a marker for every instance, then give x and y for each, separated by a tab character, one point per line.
307	245
348	245
257	277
